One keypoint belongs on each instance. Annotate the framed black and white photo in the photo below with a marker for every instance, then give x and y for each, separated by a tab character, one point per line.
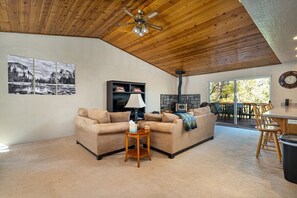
45	77
65	79
42	77
20	75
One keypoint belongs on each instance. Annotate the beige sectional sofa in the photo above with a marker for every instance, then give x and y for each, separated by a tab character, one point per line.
169	136
101	132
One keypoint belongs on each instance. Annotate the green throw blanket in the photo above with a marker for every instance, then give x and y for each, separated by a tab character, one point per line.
189	121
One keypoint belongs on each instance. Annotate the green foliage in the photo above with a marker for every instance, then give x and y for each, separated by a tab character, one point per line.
221	91
254	90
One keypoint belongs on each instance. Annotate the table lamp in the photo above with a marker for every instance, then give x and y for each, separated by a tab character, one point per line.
135	102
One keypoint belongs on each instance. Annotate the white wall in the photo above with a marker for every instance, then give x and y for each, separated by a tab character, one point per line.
199	84
26	118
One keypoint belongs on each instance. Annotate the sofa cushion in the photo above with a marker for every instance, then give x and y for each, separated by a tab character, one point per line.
102	116
169	117
120	116
201	111
83	112
153	117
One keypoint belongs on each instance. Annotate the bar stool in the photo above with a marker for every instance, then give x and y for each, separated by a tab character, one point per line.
267	133
268	121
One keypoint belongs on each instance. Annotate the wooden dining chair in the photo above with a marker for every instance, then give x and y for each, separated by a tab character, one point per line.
266	107
268	120
268	134
270	105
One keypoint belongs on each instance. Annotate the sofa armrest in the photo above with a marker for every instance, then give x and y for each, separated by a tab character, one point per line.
206	121
163	127
83	122
108	128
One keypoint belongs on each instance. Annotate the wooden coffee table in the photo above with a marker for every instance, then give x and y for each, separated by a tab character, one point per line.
138	152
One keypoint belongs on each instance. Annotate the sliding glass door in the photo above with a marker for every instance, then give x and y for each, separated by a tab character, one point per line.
234	99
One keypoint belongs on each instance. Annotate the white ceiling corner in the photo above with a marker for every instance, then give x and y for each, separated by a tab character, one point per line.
277	21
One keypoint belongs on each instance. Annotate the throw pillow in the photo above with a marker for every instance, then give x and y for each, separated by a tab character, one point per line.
201	111
153	117
169	117
102	116
120	116
83	112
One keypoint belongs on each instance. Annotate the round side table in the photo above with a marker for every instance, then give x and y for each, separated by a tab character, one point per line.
138	152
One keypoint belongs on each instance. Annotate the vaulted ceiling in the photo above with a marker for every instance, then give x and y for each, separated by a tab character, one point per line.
198	36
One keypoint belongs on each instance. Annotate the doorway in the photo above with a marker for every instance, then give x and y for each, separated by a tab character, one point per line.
233	100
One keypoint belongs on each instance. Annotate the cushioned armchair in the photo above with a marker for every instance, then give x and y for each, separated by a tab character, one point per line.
101	132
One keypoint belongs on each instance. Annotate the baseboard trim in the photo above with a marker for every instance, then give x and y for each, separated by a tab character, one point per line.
171	156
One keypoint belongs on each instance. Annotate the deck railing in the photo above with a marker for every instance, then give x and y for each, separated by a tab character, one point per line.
226	109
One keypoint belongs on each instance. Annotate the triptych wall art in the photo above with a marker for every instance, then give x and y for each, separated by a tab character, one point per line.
42	77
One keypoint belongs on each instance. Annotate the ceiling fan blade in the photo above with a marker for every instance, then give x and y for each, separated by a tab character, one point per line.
155	26
152	14
129	13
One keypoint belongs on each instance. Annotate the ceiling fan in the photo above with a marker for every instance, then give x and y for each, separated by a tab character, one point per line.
142	22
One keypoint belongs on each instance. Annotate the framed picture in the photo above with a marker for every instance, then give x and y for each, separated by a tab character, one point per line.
45	77
20	75
42	77
65	79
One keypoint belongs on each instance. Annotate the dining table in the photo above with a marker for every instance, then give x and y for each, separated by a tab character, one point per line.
285	116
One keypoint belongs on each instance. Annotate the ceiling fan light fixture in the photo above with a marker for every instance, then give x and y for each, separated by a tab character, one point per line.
140	30
141	22
140	12
136	30
144	30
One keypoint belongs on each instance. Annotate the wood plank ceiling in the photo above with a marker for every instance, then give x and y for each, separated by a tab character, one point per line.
198	36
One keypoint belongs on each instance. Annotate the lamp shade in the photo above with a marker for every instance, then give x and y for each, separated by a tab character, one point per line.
135	101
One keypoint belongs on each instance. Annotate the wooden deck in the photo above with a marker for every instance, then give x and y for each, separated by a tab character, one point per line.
241	123
245	113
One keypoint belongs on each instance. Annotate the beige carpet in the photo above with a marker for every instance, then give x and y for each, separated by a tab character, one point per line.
223	167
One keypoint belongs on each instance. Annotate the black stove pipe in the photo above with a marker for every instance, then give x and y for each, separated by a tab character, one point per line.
180	80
